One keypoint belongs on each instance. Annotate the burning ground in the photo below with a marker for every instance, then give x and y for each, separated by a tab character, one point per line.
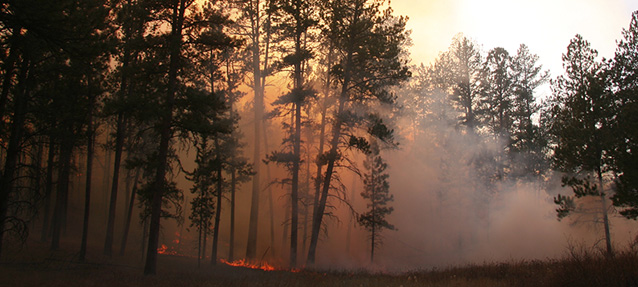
36	266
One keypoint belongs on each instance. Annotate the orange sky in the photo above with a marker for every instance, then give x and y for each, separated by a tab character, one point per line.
546	26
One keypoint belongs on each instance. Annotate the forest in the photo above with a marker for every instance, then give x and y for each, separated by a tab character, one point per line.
283	132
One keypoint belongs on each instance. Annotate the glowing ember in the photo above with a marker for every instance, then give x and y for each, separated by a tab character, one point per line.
246	264
166	251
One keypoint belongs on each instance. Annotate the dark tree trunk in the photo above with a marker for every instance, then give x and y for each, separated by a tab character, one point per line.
322	134
13	149
119	145
294	219
218	207
145	225
332	156
89	173
205	230
233	186
129	213
48	190
179	8
199	246
298	86
62	196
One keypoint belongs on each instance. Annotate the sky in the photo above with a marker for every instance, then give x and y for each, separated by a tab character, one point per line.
545	26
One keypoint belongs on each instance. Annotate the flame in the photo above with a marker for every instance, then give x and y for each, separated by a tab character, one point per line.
246	264
166	251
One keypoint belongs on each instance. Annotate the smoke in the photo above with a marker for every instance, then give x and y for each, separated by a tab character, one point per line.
446	213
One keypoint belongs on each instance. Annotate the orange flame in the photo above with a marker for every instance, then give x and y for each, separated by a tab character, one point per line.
244	263
166	251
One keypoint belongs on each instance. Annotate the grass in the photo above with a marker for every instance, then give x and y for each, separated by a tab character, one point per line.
36	266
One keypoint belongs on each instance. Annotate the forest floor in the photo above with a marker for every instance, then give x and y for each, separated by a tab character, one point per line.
35	265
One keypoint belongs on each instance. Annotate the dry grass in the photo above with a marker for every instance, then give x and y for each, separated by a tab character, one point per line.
36	266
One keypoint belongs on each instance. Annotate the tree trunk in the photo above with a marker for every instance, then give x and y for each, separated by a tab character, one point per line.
284	236
179	8
89	173
233	185
199	246
352	217
62	196
206	227
48	190
306	210
119	145
334	146
297	88
270	194
129	213
13	149
218	207
106	179
251	247
36	180
322	134
318	215
603	202
373	213
295	188
372	242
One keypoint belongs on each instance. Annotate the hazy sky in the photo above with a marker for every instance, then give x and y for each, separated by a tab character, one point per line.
546	26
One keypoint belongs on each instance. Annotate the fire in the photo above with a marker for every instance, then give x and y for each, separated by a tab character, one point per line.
246	264
175	247
166	251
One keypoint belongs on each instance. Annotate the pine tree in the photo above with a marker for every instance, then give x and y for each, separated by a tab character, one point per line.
528	145
579	127
495	90
465	63
370	41
193	28
295	21
625	128
256	22
377	193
